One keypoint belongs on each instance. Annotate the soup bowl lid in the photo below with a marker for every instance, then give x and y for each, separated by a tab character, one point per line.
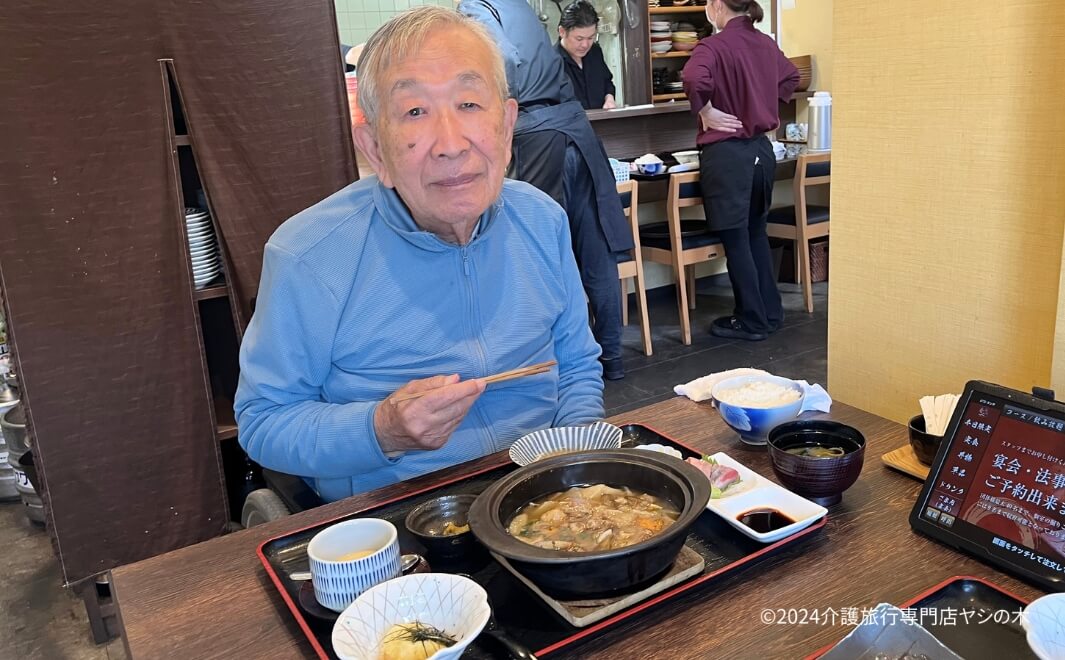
488	520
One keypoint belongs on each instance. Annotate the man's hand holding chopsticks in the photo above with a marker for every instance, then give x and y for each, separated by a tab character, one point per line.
425	422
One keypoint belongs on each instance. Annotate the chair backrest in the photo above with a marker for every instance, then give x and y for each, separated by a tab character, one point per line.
685	190
629	191
810	169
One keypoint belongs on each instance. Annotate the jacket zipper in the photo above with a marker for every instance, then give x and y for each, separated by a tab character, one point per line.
481	353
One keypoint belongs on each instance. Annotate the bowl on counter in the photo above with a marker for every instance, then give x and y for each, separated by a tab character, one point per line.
820	478
924	444
442	525
563	574
753	405
686	157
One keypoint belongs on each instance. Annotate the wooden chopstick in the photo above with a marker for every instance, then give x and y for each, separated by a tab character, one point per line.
521	372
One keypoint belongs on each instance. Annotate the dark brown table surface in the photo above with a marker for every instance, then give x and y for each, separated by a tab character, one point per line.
215	600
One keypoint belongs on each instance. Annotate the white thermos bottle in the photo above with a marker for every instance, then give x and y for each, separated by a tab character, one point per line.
819	137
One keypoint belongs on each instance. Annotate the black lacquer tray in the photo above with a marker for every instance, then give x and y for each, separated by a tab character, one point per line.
517	609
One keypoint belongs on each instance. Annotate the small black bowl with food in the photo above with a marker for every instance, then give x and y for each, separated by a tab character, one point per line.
442	526
564	566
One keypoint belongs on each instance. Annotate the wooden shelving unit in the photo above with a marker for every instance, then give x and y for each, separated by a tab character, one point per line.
227	423
679	96
686	9
219	336
673	61
213	291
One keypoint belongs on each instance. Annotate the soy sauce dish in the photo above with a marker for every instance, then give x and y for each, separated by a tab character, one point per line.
761	509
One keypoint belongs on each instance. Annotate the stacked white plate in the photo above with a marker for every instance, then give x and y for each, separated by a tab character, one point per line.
203	247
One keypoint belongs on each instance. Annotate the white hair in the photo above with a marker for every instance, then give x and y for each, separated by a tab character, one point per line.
403	35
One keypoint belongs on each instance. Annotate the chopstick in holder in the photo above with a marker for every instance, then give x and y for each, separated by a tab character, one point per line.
521	372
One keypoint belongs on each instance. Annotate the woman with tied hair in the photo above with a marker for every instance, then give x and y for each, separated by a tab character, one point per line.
593	84
735	80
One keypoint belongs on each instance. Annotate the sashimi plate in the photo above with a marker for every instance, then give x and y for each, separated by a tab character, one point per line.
755	492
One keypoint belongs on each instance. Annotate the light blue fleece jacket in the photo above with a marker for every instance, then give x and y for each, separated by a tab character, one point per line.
355	301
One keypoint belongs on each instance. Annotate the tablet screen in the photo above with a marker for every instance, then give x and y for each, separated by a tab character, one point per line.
1001	484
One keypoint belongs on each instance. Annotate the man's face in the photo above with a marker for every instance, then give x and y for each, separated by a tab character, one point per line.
442	138
578	41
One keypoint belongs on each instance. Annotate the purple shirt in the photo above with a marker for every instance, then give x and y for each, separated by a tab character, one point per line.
742	72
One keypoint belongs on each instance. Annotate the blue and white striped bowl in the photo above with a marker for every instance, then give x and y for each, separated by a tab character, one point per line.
339	582
548	442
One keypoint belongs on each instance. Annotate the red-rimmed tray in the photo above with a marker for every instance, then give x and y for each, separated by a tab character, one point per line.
992	630
517	610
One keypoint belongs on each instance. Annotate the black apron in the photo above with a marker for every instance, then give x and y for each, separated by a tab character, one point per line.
539	159
726	173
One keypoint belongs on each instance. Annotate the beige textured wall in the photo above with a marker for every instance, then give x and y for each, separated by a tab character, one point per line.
948	197
1057	378
807	30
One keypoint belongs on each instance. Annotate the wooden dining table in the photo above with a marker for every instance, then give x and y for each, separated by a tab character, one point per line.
215	599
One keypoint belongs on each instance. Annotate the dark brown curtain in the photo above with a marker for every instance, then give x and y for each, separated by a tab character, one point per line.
92	265
104	328
264	96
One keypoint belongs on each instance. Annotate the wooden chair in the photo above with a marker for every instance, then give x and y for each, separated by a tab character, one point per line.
630	264
680	251
808	222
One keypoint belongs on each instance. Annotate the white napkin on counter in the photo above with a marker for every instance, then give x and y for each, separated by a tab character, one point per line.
815	397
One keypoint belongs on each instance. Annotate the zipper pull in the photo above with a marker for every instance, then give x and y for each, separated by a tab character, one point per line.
465	262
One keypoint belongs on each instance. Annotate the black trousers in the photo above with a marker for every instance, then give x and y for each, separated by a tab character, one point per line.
547	160
750	263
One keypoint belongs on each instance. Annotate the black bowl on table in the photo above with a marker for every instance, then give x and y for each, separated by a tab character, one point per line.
925	445
819	479
428	523
563	574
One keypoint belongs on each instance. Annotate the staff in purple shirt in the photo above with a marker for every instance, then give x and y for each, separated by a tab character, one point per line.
734	81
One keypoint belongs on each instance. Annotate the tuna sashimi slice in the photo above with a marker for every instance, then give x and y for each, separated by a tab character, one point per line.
720	476
723	476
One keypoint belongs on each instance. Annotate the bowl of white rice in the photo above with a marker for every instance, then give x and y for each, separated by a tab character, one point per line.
754	405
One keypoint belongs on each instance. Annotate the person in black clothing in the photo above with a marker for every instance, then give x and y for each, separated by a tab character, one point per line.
593	84
556	150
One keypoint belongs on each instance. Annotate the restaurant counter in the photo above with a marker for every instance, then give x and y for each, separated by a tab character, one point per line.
215	599
632	131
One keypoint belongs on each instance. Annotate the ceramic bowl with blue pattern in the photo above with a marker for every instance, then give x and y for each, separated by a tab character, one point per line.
350	557
753	405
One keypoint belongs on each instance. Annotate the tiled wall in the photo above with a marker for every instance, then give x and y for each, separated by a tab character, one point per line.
357	19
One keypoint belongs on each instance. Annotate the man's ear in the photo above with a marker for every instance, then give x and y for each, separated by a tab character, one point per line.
366	141
510	116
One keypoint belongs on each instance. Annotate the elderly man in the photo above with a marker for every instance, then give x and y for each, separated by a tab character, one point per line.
425	278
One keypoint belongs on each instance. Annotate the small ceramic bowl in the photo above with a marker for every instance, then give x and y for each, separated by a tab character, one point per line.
428	523
924	444
753	422
452	604
1041	619
686	157
564	439
650	168
821	480
338	573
